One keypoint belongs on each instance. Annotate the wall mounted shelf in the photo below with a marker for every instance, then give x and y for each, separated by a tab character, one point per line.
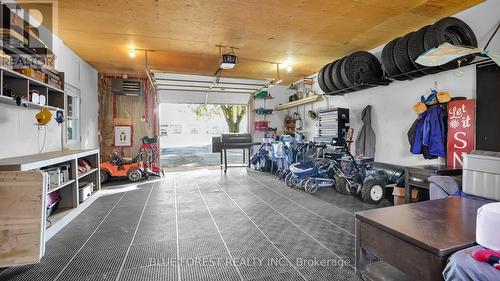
21	85
300	102
11	101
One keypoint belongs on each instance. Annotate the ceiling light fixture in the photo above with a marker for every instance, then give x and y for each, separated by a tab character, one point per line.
132	53
288	65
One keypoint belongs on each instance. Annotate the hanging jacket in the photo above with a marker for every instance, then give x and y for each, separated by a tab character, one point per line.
365	141
435	132
429	138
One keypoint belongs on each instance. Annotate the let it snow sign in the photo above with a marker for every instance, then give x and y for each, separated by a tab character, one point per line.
461	130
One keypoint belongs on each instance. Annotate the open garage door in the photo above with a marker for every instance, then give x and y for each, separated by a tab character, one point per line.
186	136
198	89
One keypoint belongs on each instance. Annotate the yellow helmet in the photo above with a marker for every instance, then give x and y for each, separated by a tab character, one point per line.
44	116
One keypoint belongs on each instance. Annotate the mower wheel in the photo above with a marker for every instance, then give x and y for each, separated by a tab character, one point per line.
372	192
301	184
294	182
311	186
134	175
103	177
288	180
341	185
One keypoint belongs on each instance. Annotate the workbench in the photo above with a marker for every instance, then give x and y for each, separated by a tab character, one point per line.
417	177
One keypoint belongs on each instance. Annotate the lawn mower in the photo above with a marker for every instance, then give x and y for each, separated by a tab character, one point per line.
356	176
311	175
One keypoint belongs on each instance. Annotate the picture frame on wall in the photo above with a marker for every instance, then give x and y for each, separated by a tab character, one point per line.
123	136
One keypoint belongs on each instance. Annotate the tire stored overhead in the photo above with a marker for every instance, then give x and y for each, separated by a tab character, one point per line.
416	48
327	75
321	79
337	77
453	31
388	63
360	67
402	58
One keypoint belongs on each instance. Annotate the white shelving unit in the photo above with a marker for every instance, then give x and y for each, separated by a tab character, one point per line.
21	85
70	205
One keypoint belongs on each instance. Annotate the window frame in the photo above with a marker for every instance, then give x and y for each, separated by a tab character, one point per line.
72	92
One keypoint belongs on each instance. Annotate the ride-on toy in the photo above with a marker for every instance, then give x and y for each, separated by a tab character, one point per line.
117	167
144	165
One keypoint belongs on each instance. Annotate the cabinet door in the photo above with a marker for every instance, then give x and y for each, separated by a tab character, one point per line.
22	217
487	104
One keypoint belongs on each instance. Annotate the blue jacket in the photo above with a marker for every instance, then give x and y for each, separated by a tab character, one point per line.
430	138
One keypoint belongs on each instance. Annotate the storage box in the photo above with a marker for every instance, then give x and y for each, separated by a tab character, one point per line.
261	125
54	177
399	195
481	174
85	190
64	172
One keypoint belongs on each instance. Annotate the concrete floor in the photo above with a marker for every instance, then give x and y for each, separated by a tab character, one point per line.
195	156
204	225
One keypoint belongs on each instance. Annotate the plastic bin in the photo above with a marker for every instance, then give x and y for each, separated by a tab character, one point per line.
261	126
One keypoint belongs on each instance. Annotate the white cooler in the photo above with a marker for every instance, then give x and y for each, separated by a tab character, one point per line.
481	174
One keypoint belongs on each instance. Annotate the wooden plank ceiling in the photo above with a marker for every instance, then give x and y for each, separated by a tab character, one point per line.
184	33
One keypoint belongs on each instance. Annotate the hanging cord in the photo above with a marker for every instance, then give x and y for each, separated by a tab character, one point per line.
44	138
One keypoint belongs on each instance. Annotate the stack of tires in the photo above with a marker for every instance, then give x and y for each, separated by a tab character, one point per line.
399	55
349	73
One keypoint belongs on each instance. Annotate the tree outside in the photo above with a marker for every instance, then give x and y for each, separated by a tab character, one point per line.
233	114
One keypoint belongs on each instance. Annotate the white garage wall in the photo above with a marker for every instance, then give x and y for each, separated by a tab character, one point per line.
280	95
392	113
20	134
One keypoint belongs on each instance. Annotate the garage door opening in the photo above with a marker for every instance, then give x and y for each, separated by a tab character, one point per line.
186	132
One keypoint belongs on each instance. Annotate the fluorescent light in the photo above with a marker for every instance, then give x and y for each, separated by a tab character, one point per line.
289	68
132	53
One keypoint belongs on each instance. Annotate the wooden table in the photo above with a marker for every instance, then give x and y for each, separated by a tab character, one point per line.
417	238
416	177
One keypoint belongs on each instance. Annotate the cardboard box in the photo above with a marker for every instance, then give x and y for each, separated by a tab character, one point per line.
399	195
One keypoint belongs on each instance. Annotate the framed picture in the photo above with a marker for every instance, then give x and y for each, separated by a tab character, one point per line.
123	136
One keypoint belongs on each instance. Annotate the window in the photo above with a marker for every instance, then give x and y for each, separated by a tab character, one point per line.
73	117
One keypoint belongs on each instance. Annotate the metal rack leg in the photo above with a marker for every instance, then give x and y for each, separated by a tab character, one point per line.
225	160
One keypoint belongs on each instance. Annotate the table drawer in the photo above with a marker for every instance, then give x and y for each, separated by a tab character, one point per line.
410	259
418	180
